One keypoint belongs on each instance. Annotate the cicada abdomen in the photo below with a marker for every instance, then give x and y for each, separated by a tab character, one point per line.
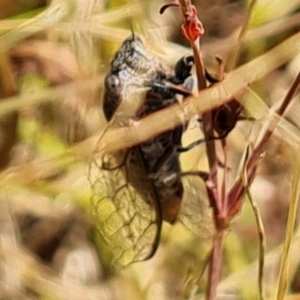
138	188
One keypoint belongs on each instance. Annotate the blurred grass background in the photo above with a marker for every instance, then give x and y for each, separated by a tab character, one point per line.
53	58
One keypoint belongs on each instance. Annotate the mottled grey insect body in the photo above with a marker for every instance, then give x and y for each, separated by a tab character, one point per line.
151	169
133	65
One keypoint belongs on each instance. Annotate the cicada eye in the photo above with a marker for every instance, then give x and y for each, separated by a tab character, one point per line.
113	84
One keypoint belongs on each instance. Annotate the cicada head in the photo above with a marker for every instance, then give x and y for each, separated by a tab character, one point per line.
132	68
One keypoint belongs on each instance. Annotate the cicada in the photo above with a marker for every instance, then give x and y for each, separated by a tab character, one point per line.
137	189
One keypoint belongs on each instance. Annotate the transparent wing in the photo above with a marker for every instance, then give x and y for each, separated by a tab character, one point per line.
196	213
122	206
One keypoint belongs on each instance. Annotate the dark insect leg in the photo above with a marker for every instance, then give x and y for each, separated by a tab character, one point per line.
161	87
158	215
183	69
170	149
162	160
190	146
175	147
202	174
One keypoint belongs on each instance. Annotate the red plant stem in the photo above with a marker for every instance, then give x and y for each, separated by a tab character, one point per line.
200	70
238	189
224	197
215	267
192	30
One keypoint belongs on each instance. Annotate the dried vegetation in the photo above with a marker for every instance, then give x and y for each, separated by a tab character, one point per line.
53	59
